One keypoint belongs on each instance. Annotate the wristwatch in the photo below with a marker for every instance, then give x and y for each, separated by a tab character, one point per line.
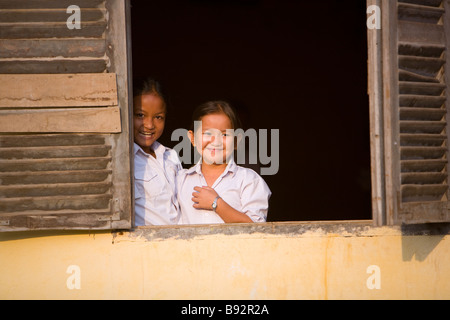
214	204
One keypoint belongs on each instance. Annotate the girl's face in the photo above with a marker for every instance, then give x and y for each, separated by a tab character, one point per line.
149	119
214	140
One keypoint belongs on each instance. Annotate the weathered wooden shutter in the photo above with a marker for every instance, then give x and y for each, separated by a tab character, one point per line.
64	118
416	86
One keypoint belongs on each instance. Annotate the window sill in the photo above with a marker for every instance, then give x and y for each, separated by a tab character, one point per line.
268	229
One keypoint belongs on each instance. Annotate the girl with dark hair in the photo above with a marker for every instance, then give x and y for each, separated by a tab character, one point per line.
155	166
216	190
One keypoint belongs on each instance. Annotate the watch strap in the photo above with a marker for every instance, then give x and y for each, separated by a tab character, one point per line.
214	204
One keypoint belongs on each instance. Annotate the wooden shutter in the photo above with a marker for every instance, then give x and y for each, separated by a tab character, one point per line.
64	118
415	87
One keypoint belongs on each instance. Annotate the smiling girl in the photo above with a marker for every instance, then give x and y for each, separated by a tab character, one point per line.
216	190
155	166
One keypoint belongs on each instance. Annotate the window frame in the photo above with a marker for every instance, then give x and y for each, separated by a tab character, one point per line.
381	46
375	93
383	92
376	148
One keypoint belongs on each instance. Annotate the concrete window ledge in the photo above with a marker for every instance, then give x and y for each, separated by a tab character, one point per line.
351	228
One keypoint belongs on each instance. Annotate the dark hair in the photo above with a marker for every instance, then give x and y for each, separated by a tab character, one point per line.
148	85
215	107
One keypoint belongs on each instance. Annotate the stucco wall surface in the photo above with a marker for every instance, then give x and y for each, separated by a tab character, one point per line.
275	261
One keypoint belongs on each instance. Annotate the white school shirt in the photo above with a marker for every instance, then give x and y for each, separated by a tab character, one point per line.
155	186
242	188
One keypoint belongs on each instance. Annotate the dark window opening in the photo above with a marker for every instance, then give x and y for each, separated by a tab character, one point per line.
296	66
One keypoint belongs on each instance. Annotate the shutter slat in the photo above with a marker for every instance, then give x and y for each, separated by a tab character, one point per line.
424	66
45	177
422	114
46	205
430	3
49	15
42	140
420	88
76	120
415	193
423	178
65	90
55	164
407	139
414	153
44	66
37	213
51	152
32	30
422	126
54	189
419	13
409	100
52	48
411	76
425	212
430	34
40	4
416	48
423	165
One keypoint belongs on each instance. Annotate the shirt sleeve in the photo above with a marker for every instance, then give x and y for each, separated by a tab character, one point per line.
255	199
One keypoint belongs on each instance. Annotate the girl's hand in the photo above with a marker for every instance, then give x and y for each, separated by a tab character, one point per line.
203	197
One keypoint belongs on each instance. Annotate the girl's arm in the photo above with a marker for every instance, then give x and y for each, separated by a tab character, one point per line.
203	199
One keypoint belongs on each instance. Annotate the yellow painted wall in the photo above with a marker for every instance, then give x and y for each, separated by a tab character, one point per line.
277	261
